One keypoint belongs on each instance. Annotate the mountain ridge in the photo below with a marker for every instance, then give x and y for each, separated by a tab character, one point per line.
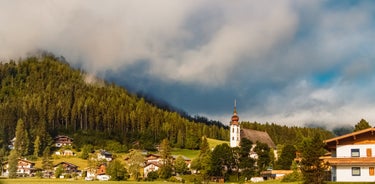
47	93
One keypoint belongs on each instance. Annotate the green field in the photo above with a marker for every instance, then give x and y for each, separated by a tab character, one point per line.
66	181
69	181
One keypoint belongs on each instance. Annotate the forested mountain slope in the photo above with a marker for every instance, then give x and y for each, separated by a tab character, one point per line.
52	98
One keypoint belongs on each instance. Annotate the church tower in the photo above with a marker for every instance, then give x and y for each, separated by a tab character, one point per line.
235	129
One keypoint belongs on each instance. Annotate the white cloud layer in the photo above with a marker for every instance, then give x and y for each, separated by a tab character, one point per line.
293	62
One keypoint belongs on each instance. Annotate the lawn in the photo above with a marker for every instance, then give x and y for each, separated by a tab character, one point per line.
67	181
214	142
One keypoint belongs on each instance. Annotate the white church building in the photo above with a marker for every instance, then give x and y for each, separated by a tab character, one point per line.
237	133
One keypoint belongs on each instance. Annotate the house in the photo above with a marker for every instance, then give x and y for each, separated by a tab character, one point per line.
11	145
102	169
63	140
152	166
351	157
94	173
68	168
65	153
105	155
153	158
25	168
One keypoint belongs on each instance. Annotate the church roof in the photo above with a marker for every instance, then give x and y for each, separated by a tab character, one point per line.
255	136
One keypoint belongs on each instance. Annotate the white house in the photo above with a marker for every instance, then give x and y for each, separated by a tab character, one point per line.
152	166
24	168
352	158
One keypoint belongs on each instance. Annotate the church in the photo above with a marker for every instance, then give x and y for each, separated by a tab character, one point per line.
237	133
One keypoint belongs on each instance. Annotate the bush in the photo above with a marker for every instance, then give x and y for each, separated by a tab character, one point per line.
153	175
39	174
292	177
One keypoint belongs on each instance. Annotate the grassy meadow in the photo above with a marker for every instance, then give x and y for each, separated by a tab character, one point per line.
81	163
65	181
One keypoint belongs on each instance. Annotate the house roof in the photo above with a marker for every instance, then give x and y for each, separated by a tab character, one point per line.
276	172
359	137
67	164
257	136
153	163
21	160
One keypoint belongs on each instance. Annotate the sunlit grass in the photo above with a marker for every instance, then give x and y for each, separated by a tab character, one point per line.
214	142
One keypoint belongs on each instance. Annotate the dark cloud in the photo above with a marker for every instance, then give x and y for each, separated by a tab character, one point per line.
289	62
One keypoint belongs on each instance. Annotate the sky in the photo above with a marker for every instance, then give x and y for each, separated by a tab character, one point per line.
290	62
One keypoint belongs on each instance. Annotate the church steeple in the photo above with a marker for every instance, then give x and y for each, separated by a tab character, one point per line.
235	128
235	117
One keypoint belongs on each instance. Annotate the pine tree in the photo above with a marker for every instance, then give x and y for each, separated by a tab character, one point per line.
21	143
361	125
13	163
287	156
165	170
37	146
180	165
47	164
312	167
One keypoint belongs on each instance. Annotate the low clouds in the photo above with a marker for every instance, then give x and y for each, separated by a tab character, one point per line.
288	62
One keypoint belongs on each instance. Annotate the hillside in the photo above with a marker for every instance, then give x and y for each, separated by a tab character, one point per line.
52	98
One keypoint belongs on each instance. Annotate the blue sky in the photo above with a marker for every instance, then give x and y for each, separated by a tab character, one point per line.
287	62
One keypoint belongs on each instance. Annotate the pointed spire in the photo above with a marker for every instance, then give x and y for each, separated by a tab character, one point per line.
235	117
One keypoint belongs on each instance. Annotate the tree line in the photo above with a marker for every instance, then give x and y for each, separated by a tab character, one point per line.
52	98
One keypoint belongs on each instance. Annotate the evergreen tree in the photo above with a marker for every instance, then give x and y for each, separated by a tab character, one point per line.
13	163
47	164
312	167
2	159
86	150
361	125
204	147
21	143
287	156
180	165
37	146
166	169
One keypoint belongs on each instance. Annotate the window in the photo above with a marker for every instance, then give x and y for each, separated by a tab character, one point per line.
355	152
369	152
356	171
371	171
233	138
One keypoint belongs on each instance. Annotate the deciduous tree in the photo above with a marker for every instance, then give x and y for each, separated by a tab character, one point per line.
117	170
135	163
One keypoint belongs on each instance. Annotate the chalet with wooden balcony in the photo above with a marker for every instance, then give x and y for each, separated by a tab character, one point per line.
352	157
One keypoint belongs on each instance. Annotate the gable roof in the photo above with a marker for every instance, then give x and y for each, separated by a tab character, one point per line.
257	136
66	164
358	136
